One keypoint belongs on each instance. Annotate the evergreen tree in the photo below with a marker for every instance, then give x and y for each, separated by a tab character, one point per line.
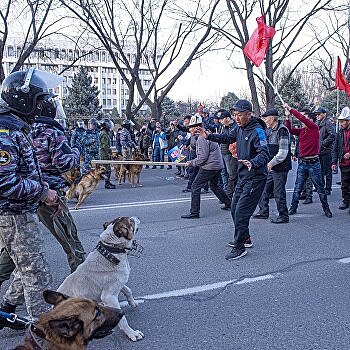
330	102
82	99
228	100
168	108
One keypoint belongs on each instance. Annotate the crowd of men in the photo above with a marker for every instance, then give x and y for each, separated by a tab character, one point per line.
243	158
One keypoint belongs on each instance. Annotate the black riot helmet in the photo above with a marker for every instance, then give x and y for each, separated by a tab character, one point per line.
126	124
106	123
22	90
47	106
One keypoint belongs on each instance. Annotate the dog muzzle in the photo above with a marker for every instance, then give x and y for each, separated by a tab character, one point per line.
135	250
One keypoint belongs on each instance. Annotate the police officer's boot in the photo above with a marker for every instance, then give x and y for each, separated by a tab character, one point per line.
10	309
109	185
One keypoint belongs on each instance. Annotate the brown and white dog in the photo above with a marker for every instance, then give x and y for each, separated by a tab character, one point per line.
71	324
82	187
105	272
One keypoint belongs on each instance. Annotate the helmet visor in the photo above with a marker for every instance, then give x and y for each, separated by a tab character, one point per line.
51	80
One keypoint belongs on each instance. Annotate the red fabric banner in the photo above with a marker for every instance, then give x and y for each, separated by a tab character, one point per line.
256	47
340	81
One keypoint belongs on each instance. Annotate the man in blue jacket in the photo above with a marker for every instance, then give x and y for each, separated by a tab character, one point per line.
253	156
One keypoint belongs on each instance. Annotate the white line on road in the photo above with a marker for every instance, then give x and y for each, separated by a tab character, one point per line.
344	261
150	203
205	288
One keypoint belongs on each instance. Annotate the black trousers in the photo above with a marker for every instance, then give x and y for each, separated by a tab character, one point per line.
326	169
245	199
192	173
276	183
203	176
345	184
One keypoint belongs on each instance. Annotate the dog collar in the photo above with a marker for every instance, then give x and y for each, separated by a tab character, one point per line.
37	338
107	253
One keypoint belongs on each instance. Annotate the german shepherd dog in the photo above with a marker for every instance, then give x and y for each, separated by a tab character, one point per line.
72	175
131	170
83	186
71	324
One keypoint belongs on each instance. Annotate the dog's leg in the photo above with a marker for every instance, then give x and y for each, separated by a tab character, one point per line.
110	299
129	297
138	180
132	180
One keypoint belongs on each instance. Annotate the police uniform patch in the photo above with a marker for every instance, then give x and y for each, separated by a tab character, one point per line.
5	158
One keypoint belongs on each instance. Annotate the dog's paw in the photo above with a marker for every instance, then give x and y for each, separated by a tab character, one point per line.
132	303
135	335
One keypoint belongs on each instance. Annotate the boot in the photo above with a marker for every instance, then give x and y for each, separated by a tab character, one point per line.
109	185
10	309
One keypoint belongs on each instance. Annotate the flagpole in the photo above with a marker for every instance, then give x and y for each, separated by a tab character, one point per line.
270	82
337	102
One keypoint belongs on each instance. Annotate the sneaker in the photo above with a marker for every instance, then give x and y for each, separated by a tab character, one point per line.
186	190
292	211
344	206
154	167
247	244
169	167
109	186
235	253
190	216
328	213
307	201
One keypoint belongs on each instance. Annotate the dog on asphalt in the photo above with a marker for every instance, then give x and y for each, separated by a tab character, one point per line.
82	187
71	324
131	170
105	272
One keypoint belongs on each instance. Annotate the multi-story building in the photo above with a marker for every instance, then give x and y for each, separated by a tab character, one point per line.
63	57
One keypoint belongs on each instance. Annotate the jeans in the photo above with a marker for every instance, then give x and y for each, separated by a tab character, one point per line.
345	184
326	168
276	182
313	170
203	176
158	154
245	199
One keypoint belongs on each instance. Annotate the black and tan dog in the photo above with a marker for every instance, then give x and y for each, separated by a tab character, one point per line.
131	170
71	324
84	186
72	175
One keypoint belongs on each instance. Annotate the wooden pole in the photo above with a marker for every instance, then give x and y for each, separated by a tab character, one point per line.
137	162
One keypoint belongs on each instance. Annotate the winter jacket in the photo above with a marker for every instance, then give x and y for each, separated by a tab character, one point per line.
54	155
225	130
208	155
21	183
104	140
251	145
338	147
327	136
77	139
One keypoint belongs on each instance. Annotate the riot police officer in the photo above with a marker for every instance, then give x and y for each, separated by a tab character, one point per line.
90	145
105	151
22	189
78	136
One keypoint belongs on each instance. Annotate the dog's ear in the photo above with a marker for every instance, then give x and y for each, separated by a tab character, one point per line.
105	225
53	297
67	327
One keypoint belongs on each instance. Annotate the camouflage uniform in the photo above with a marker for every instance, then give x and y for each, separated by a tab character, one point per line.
91	148
127	143
105	151
55	157
21	189
77	139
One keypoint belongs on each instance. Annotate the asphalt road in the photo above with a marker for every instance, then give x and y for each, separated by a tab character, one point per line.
291	291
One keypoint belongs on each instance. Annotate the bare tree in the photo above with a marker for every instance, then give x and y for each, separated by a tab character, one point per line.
289	43
162	37
30	20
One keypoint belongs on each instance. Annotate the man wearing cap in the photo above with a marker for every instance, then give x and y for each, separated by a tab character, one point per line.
327	137
278	138
253	156
309	165
341	155
209	160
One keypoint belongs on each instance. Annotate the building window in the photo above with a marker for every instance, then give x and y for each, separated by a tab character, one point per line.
10	51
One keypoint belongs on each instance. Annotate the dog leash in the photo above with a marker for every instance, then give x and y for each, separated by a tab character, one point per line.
13	318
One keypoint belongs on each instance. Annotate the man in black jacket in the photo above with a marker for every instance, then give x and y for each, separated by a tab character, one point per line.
327	137
253	156
278	137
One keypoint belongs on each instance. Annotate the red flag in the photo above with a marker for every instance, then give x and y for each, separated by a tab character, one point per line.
340	81
256	47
